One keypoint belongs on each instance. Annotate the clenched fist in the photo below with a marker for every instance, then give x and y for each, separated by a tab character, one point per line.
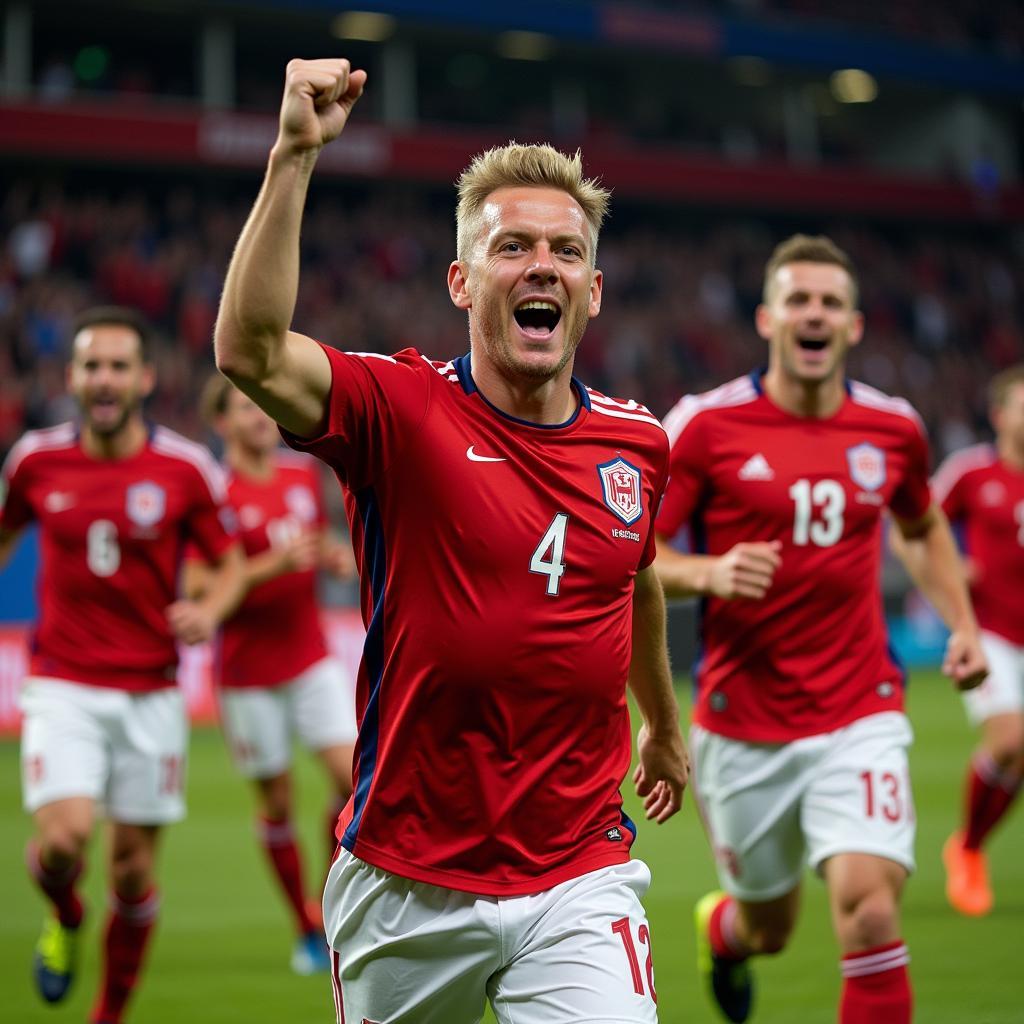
318	97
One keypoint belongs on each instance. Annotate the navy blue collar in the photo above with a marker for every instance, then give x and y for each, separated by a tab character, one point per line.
757	378
464	371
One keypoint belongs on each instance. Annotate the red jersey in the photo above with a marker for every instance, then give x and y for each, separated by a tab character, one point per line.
813	655
112	534
496	563
275	634
986	497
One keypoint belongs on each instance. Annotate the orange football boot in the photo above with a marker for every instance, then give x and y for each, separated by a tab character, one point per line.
967	886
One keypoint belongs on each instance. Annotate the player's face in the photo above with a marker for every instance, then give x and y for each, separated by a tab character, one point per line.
529	284
108	377
809	321
1008	418
245	423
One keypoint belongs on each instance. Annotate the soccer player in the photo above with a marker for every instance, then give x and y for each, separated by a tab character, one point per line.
799	738
981	489
272	666
501	514
104	724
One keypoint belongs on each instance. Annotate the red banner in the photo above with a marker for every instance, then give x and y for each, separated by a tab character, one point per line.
151	134
343	626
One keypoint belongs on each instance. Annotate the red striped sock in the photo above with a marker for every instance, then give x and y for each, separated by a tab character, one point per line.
722	931
124	946
989	795
278	840
876	986
57	886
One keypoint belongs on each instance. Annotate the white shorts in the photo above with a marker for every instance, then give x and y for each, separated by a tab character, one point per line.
770	806
1003	690
124	750
410	953
317	706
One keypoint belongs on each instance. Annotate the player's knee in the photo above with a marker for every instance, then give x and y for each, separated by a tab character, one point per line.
872	920
62	843
769	939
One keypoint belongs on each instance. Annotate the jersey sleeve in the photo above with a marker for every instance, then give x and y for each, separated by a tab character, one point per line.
15	509
657	496
948	489
211	525
687	473
913	496
375	406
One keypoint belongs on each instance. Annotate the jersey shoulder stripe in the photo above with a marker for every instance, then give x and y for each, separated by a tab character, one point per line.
740	391
622	409
872	398
171	444
958	464
62	436
446	370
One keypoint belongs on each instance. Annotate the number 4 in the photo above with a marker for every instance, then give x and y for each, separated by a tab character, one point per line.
553	540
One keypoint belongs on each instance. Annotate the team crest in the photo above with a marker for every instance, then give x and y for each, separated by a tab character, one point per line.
620	483
145	503
867	466
300	502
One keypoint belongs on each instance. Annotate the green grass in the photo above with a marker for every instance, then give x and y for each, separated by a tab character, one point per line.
221	952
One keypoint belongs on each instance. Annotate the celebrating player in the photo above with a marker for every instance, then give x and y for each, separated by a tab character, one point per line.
799	738
501	515
273	669
982	489
115	499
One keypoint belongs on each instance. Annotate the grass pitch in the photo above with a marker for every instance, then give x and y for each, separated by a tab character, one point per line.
221	950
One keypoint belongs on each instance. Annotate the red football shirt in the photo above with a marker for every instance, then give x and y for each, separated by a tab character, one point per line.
813	655
112	534
986	497
275	634
496	560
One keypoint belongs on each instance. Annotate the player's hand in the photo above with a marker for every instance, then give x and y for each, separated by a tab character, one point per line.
336	558
301	553
746	570
191	622
318	97
965	662
661	773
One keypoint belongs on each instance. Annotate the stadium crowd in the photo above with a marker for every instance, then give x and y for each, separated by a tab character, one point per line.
944	309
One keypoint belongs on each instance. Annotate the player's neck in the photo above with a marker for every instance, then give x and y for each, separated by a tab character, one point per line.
1010	453
123	444
812	399
546	403
246	462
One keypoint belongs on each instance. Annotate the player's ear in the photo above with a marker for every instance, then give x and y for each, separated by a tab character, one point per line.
763	321
856	327
458	285
148	379
596	286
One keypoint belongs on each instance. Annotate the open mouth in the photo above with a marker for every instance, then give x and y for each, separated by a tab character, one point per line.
813	344
537	317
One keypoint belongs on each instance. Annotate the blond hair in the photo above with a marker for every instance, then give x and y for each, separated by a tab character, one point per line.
1000	386
515	165
809	249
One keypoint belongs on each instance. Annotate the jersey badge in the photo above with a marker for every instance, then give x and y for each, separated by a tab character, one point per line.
145	503
301	503
993	494
756	468
58	501
613	834
620	483
867	466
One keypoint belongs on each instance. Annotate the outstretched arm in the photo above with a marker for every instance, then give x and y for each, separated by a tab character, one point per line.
927	549
285	373
664	766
